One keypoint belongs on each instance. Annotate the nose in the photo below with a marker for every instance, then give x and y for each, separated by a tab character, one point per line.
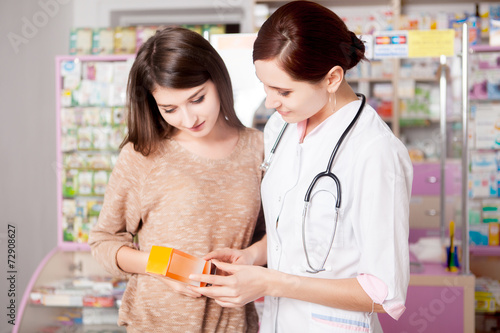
272	102
188	118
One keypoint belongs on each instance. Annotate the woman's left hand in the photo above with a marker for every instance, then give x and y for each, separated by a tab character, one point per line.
243	284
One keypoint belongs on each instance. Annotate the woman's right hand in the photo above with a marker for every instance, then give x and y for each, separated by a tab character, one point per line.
231	256
178	287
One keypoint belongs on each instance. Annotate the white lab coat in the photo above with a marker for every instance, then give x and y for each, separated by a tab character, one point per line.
375	173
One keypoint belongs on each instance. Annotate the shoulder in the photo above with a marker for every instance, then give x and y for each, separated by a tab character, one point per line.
376	143
134	161
253	134
253	140
372	130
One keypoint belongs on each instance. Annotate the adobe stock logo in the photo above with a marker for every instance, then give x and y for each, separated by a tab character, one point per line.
30	28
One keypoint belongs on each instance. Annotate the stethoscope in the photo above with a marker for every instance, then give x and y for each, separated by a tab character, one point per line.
327	173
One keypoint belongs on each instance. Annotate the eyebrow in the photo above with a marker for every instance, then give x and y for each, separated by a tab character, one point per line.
192	96
278	88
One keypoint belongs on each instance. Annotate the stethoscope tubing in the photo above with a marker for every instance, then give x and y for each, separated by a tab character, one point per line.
326	173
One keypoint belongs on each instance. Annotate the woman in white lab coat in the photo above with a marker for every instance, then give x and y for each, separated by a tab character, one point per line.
301	55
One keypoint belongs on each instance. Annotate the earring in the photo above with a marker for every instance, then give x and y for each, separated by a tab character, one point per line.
334	101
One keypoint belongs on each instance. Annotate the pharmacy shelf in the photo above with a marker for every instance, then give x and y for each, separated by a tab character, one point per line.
479	250
369	79
430	79
484	48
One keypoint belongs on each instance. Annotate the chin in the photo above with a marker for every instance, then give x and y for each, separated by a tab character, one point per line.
292	119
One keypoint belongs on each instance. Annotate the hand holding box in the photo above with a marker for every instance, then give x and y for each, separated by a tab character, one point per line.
176	265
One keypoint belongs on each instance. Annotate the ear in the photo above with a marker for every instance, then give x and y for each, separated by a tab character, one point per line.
334	78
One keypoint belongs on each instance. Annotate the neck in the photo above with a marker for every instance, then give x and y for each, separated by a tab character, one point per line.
219	133
344	95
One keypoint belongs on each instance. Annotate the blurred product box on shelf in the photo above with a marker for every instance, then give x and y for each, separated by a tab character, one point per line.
494	25
483	185
493	85
484	301
80	41
485	76
478	234
384	91
487	295
478	85
79	292
493	233
490	60
99	301
124	40
103	41
484	218
487	125
419	68
91	316
424	104
380	69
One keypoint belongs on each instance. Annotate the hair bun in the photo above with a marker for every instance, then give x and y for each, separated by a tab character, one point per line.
357	43
358	47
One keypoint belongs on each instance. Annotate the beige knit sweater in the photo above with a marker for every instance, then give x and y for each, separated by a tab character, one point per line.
177	199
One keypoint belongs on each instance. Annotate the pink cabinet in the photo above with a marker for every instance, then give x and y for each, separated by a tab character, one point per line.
425	203
437	301
427	179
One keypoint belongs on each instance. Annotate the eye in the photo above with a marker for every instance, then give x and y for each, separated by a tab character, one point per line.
199	100
168	110
284	93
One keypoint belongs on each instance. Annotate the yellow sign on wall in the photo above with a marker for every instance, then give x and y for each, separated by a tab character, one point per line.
431	43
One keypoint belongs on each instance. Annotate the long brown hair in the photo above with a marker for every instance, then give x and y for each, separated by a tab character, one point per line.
308	40
173	58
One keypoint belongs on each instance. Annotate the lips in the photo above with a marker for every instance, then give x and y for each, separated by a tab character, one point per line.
197	128
283	113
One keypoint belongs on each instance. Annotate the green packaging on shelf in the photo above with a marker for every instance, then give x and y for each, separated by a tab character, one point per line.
102	41
474	215
80	41
70	183
67	235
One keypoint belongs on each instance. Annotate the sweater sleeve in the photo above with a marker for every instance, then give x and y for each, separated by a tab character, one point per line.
120	217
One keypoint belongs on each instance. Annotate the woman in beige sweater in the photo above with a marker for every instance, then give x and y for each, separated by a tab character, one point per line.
187	177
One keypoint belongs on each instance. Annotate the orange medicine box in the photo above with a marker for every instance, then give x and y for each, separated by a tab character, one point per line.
494	234
176	264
